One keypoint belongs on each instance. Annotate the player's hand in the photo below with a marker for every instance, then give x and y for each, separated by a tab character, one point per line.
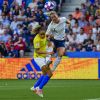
52	36
50	53
48	36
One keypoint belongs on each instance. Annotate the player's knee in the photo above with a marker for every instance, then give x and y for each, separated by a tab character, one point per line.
44	73
61	52
50	74
44	70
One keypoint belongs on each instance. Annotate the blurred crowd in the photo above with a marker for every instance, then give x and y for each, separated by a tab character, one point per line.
18	21
83	33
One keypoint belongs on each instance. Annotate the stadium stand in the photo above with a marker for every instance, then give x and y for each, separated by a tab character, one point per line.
18	19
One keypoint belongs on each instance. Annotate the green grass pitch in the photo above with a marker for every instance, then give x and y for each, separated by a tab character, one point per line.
54	90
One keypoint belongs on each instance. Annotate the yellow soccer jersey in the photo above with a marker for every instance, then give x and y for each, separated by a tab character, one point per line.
41	44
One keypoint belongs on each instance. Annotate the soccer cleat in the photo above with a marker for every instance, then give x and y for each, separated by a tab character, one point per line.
33	89
39	92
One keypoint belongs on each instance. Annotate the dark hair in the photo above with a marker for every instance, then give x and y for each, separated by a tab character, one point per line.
82	28
42	31
77	9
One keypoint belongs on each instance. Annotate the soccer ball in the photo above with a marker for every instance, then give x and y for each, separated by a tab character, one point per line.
50	6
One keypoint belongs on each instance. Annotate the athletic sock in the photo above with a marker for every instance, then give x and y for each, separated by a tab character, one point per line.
56	63
45	80
38	81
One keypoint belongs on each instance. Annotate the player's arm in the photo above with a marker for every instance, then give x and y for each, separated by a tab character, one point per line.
38	50
49	32
66	20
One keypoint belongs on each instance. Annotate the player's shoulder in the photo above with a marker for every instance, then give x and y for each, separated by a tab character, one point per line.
64	19
37	38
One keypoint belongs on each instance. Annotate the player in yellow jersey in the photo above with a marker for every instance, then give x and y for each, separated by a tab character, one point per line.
40	53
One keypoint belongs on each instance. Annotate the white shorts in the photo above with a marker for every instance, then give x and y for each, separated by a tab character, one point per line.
40	61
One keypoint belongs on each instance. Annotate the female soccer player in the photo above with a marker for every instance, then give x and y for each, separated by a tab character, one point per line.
56	30
40	53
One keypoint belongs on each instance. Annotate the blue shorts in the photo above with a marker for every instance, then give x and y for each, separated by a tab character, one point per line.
59	43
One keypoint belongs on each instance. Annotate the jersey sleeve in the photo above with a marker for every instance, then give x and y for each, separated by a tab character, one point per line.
64	19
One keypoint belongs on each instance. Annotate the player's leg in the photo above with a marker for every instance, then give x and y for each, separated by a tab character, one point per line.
61	51
44	81
41	62
60	45
38	81
46	77
48	61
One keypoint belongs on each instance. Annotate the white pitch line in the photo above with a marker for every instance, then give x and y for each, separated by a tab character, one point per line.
94	99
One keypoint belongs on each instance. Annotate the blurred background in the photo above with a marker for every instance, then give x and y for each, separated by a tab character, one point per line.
19	18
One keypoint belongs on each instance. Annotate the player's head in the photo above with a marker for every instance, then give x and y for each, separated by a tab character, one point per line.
54	17
42	34
37	29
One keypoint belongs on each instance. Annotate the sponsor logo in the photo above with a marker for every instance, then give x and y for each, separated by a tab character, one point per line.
30	71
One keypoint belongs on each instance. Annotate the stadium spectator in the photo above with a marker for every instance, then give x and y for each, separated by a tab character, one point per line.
5	21
98	21
88	42
87	15
87	3
19	30
18	2
28	12
40	4
82	21
14	23
81	36
83	8
1	56
5	8
98	46
92	20
71	38
92	10
87	28
77	14
94	48
5	36
20	46
72	21
41	18
3	49
8	44
12	53
1	31
76	28
79	47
